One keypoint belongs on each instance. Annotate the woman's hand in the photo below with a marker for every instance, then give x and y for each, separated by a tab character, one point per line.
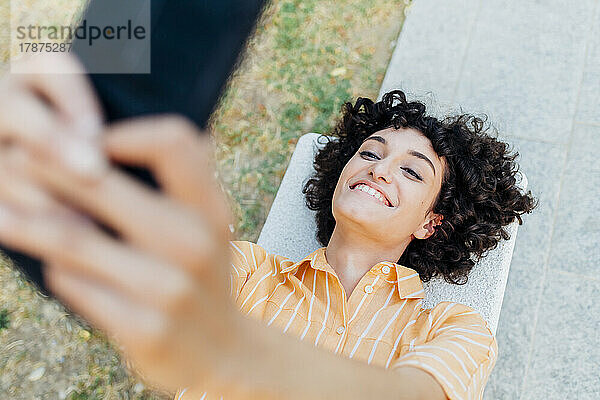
153	290
161	291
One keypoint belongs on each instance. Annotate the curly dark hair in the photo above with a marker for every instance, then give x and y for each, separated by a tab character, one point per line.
479	196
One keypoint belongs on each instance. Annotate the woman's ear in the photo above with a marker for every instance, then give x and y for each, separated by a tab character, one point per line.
428	228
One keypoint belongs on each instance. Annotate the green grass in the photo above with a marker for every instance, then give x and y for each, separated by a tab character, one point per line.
4	319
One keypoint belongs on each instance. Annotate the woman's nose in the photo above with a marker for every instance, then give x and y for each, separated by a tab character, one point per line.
381	171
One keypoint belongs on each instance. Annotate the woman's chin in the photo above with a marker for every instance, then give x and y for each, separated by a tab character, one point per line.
352	214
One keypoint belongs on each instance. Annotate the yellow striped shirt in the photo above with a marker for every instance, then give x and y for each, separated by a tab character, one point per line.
382	323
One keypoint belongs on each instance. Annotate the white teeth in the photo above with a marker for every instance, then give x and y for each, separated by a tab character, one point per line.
372	192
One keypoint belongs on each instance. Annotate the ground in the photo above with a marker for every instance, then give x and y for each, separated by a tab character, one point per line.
304	61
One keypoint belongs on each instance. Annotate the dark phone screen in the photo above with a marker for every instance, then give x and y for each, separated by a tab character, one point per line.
194	46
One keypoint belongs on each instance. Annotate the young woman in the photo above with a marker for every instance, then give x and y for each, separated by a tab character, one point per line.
400	197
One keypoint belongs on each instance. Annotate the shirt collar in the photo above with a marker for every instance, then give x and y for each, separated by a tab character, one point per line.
408	281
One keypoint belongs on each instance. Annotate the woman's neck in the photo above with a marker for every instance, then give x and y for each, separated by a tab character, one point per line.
351	256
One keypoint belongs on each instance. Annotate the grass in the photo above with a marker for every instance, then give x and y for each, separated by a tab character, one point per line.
305	60
4	319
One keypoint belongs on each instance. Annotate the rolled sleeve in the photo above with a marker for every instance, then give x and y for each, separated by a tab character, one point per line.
459	350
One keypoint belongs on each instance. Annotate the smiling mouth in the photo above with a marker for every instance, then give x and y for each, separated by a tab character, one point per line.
372	192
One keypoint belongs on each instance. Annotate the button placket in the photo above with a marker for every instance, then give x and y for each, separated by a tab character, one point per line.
341	329
358	299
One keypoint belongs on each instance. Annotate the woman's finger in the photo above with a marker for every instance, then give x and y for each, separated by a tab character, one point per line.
19	191
180	156
171	147
26	121
61	81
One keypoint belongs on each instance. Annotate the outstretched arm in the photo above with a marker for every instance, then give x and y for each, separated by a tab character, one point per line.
280	366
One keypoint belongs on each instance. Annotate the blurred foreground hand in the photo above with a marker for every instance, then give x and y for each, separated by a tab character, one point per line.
161	291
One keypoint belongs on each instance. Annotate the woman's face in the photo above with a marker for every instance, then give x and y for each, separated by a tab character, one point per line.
387	189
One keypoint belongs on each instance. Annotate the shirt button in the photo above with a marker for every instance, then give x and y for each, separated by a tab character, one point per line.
340	330
369	289
385	269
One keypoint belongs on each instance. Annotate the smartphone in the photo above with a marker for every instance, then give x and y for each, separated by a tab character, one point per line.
193	47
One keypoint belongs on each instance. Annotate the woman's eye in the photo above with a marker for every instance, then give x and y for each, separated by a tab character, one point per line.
413	173
368	154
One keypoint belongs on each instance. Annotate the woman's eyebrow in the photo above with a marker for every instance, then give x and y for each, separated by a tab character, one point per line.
411	152
377	138
423	157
